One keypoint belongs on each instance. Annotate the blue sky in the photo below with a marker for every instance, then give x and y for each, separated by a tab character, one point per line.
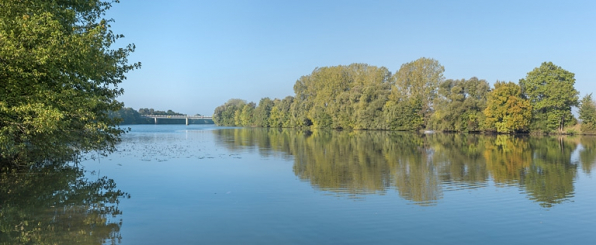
196	55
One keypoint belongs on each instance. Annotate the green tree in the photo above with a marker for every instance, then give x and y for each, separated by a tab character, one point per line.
350	96
262	112
151	111
129	116
416	84
225	115
506	111
403	115
459	105
280	113
247	114
59	78
587	113
147	111
369	94
551	93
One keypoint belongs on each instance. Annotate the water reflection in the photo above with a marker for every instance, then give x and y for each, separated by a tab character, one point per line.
587	155
58	205
422	167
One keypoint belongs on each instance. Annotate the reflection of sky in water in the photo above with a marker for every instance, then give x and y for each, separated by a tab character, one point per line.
191	185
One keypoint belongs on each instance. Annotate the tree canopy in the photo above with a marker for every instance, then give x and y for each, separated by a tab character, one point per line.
587	113
507	111
59	79
459	105
416	84
552	94
416	97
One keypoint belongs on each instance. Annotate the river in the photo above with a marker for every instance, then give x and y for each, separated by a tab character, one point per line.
202	184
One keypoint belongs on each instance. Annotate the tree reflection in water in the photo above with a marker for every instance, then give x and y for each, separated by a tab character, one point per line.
587	156
421	167
58	205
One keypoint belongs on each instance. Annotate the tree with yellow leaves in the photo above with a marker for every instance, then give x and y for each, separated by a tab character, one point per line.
507	111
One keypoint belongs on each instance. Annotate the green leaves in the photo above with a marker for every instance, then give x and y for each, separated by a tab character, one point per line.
459	105
587	113
418	82
59	79
360	96
550	90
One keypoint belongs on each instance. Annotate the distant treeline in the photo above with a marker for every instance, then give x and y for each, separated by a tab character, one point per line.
151	111
131	116
418	97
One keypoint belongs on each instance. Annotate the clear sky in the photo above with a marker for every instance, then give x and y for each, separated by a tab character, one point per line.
196	54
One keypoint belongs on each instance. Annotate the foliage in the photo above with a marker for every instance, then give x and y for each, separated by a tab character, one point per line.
342	97
587	113
280	116
225	114
262	112
416	84
151	111
506	110
129	116
551	93
360	96
246	117
459	105
59	79
403	115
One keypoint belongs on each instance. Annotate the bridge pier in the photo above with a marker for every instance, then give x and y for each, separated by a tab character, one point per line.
186	121
155	120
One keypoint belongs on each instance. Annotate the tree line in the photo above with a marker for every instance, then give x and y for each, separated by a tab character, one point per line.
151	111
418	97
129	115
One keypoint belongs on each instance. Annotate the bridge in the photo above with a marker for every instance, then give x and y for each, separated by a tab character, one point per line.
187	117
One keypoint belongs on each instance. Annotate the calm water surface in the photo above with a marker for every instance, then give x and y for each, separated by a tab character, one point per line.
202	184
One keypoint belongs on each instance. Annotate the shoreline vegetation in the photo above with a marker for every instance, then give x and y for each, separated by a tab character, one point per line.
60	73
418	98
59	79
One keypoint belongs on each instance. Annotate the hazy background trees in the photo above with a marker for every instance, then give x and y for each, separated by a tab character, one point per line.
151	111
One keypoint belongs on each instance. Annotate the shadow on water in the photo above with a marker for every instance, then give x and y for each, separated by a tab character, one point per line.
422	167
57	204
